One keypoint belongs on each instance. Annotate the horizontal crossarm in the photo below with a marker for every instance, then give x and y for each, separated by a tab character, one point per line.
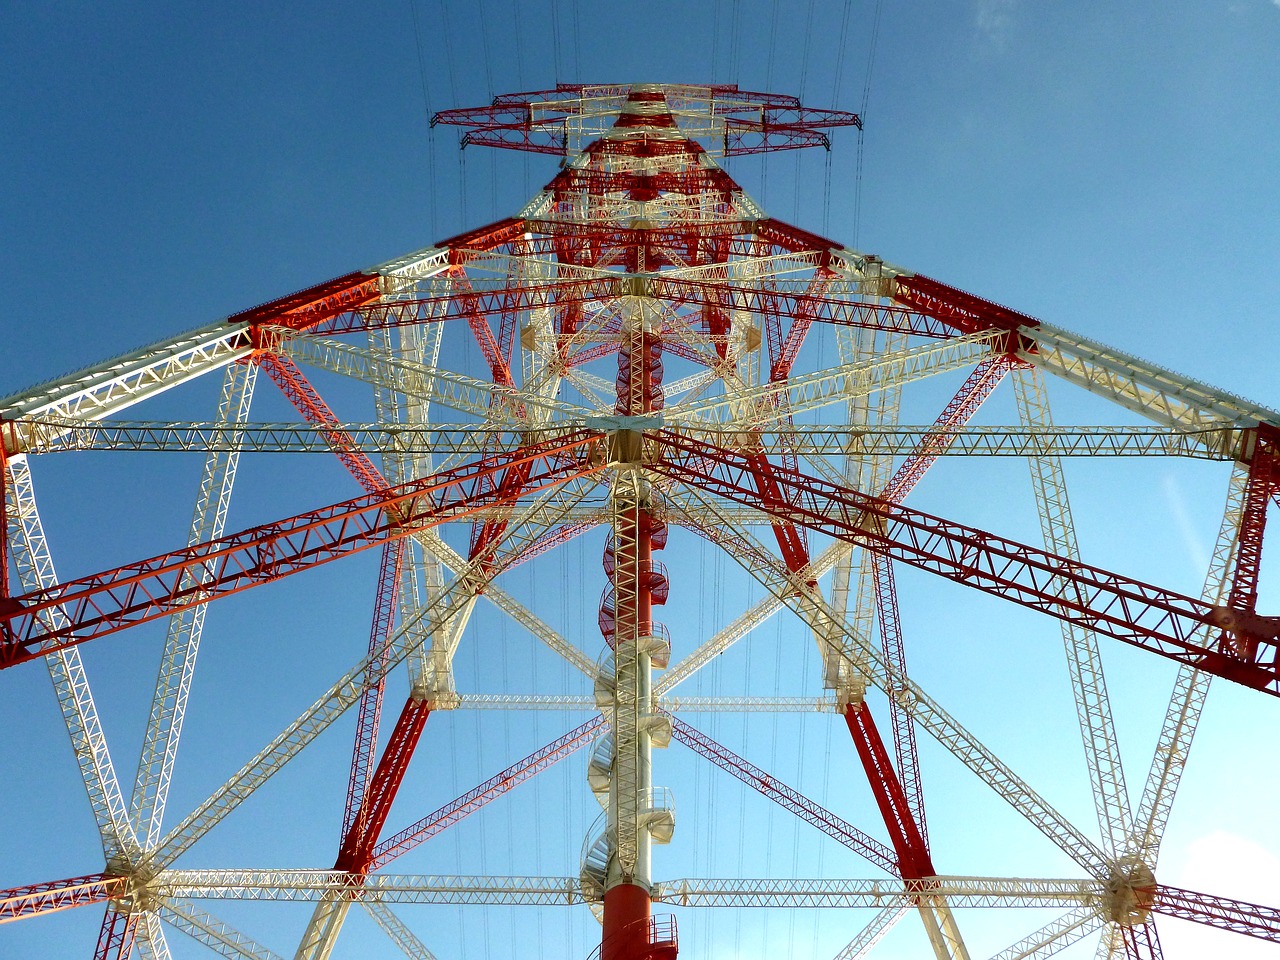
1137	613
53	895
1250	919
113	600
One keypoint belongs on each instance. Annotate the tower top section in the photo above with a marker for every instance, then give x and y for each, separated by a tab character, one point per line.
724	120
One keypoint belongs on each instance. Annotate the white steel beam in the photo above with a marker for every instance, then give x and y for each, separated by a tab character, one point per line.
1190	690
1057	934
400	935
117	384
177	664
1084	661
1145	388
213	933
876	930
34	564
46	434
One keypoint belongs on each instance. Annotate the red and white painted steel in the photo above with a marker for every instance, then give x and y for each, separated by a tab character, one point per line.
641	252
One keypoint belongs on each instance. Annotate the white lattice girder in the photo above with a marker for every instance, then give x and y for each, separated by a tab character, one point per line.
313	885
117	384
1143	387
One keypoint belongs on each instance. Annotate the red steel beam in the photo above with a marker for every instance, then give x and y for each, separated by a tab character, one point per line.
1137	613
1259	488
967	313
309	308
1251	919
474	799
369	717
356	853
908	840
54	895
115	599
1141	941
833	826
115	937
299	391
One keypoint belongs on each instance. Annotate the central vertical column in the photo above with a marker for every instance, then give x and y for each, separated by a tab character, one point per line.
626	898
627	882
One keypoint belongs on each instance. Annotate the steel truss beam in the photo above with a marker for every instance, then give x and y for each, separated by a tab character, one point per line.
1139	614
29	550
213	933
52	435
312	885
115	599
54	895
1238	916
182	641
867	847
433	823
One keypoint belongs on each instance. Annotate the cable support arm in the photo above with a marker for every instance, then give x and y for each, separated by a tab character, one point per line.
1224	913
115	599
54	895
1140	614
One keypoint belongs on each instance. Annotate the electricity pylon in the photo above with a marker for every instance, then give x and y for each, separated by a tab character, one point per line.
641	254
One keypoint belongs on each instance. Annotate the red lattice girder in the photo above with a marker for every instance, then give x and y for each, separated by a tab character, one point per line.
474	799
791	541
1261	485
837	311
113	600
507	490
1141	941
794	239
307	308
488	237
356	852
967	313
784	356
370	713
1250	919
54	895
469	304
299	391
833	826
115	938
908	842
1146	616
973	393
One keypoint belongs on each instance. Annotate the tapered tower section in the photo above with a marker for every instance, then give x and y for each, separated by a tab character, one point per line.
630	352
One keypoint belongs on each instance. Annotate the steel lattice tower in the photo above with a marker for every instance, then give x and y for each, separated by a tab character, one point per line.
640	255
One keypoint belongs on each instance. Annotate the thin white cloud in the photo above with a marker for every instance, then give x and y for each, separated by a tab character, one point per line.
996	16
1197	552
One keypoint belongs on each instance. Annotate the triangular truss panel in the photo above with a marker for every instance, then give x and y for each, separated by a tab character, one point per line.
567	464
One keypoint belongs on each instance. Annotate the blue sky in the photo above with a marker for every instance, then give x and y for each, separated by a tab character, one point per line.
1109	168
